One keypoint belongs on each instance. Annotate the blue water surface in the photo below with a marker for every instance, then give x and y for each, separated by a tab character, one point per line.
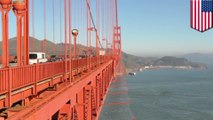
163	94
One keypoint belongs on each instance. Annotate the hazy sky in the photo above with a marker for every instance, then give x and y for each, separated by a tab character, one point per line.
149	27
160	27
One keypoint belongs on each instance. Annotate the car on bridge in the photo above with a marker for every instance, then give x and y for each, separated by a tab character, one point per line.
37	57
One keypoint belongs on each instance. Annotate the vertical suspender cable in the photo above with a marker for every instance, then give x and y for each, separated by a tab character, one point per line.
111	22
60	48
89	2
79	26
53	15
70	39
116	12
44	41
112	25
65	34
97	27
103	22
87	19
89	24
87	29
116	21
107	21
33	27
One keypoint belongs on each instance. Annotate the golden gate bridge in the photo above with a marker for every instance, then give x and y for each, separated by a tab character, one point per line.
72	88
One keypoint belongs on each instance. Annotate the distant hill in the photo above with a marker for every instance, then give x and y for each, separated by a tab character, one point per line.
133	63
173	61
130	62
200	57
35	46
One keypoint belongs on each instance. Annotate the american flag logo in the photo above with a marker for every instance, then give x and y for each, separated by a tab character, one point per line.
201	14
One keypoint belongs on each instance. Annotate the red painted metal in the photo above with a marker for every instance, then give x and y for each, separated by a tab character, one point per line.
97	26
70	38
26	33
70	89
75	54
60	49
19	10
103	20
5	8
88	32
67	93
33	24
53	15
65	35
44	41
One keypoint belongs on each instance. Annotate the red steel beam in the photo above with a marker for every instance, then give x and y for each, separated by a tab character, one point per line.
19	9
65	35
26	33
35	77
97	26
75	52
60	49
43	49
80	104
58	99
71	98
53	15
5	8
70	37
19	40
33	25
103	99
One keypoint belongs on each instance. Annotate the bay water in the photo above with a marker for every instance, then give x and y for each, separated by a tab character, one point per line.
163	94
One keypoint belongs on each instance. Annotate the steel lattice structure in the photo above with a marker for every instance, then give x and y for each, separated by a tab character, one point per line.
73	88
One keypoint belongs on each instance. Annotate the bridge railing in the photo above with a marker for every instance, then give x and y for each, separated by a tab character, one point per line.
17	77
50	69
21	76
4	77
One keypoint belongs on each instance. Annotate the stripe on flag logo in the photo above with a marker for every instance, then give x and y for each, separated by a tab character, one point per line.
201	14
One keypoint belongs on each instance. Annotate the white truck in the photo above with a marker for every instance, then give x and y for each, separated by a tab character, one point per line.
102	52
37	57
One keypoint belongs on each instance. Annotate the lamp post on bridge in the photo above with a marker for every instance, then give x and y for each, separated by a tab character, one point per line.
5	8
19	8
75	34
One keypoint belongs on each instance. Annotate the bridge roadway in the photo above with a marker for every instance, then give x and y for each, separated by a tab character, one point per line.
49	91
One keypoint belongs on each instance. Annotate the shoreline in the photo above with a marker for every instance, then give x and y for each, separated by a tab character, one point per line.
141	69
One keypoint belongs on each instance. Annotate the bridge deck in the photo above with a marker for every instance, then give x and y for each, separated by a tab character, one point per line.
56	91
